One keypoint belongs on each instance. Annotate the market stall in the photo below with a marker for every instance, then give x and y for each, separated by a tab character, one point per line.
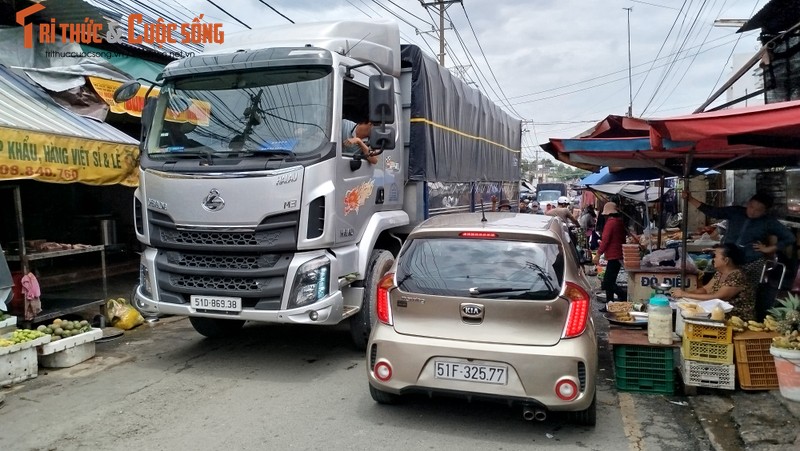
40	141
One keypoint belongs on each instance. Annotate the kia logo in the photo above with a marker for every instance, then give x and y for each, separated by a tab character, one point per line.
472	310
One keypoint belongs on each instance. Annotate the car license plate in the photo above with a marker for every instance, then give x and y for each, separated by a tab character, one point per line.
462	371
217	303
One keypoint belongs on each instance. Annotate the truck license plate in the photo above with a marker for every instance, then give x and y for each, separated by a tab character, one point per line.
218	303
472	372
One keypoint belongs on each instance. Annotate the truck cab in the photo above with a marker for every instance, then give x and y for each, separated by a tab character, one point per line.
249	206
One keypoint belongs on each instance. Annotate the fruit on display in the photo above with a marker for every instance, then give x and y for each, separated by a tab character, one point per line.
20	336
4	316
64	329
787	320
770	324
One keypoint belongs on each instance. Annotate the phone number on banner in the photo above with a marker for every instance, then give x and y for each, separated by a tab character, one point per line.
28	171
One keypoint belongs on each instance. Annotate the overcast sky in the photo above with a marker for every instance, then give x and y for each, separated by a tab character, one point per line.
562	64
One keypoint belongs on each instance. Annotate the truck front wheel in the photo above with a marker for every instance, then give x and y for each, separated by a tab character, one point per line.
216	328
380	263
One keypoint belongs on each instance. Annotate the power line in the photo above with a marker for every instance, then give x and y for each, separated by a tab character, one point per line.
724	66
669	69
480	47
230	15
604	83
276	11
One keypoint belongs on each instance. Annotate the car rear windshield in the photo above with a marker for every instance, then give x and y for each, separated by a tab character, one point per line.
487	268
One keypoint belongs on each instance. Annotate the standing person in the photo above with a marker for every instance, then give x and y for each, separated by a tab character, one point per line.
523	207
611	246
535	208
588	221
750	228
563	211
355	137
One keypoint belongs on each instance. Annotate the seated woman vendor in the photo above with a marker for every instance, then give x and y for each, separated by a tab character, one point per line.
728	283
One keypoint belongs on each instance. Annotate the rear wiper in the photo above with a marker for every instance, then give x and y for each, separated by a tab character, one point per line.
406	277
475	291
544	275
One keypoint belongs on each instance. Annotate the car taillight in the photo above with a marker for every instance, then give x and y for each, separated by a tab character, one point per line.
578	310
477	235
383	306
566	389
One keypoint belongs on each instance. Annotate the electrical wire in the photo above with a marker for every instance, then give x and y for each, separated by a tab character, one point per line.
230	15
684	72
727	60
275	10
669	69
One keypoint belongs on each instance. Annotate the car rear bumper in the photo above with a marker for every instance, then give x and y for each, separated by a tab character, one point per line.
533	371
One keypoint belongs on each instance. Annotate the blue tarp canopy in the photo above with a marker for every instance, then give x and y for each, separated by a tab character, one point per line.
631	175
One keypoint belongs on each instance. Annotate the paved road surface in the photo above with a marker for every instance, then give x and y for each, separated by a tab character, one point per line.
288	387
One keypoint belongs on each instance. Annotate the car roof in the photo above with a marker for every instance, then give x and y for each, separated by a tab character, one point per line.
495	221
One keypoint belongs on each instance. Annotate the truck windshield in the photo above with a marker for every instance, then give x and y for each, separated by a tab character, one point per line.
547	196
284	112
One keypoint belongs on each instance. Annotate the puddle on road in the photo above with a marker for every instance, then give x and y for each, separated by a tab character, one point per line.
714	413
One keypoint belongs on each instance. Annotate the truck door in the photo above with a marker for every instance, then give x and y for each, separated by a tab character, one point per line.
360	184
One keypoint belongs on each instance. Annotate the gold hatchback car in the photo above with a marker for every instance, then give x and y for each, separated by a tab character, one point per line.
493	307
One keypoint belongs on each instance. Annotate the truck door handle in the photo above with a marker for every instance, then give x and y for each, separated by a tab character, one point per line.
379	196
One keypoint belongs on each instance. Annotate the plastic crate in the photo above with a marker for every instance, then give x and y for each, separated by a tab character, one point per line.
712	375
755	366
704	351
707	332
645	369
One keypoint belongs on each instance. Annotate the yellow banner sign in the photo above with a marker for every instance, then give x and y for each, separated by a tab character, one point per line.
63	159
198	113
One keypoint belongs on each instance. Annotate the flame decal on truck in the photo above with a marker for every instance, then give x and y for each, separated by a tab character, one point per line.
356	197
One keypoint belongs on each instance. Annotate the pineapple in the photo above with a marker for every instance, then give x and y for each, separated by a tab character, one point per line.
788	319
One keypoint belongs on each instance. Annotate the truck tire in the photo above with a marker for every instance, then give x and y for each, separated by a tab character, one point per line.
382	397
361	323
216	328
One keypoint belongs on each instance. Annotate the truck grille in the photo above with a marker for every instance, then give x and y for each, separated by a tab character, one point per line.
237	262
274	233
227	284
219	238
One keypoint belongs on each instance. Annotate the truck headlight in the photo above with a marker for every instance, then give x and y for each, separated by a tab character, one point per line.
144	280
310	283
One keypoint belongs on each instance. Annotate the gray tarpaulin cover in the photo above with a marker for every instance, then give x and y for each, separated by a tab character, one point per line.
457	133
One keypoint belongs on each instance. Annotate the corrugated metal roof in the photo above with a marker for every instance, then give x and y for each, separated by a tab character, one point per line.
25	106
775	17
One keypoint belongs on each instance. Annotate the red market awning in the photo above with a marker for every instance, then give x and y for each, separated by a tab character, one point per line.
754	137
776	125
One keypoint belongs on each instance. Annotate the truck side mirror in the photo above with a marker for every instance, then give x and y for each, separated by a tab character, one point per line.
126	91
382	138
381	99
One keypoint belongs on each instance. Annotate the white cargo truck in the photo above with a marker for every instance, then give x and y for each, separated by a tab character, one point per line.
250	208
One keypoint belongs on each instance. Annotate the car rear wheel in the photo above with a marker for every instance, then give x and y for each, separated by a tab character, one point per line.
216	328
380	263
382	397
586	417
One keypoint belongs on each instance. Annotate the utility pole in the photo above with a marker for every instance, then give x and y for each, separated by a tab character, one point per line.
443	5
630	82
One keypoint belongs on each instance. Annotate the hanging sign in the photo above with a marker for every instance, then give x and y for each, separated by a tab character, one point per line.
64	159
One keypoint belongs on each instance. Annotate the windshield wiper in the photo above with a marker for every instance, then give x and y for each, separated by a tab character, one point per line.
544	275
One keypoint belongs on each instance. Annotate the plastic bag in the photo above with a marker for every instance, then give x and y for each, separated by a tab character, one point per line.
122	315
130	319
